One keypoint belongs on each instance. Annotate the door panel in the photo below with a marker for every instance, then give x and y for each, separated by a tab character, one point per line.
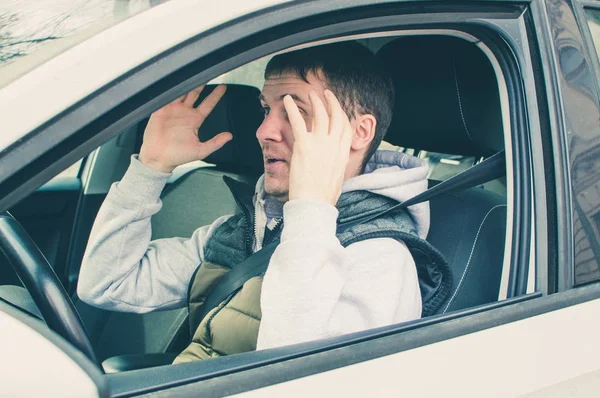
544	355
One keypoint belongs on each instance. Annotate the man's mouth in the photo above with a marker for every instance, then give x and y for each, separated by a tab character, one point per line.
273	164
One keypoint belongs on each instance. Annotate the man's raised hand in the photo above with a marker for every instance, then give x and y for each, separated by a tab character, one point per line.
320	157
171	136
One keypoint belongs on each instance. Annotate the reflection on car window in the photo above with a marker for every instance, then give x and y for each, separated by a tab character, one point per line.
32	32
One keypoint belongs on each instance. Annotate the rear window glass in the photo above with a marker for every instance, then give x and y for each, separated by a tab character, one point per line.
593	17
587	215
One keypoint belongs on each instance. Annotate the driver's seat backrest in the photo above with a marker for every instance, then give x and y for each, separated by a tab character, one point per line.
194	196
447	101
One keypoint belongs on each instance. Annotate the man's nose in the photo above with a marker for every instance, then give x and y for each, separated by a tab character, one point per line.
270	130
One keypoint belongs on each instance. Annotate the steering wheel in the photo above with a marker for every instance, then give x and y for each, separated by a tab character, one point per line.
43	285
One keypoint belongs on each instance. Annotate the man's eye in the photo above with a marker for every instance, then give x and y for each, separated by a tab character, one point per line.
266	110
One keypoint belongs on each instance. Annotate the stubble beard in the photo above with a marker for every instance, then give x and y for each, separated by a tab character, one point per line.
275	187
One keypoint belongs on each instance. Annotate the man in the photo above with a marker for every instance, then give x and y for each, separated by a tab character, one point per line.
327	109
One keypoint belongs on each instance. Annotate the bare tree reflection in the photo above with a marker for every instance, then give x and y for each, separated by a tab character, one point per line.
12	46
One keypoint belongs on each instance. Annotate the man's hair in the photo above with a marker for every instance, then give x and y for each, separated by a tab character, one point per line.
352	72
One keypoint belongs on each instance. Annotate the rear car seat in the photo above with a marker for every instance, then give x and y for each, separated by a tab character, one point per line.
447	101
195	196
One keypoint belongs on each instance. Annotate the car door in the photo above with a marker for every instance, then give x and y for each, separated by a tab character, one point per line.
504	348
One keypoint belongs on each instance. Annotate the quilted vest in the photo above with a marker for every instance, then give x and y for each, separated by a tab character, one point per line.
232	326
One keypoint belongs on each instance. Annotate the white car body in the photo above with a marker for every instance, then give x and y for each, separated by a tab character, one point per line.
552	353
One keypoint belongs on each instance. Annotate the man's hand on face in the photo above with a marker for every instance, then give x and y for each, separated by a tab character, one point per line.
319	157
171	136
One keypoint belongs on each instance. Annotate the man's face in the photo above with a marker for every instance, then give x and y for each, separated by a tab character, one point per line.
275	133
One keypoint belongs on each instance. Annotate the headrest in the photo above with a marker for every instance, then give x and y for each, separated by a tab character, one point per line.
447	97
240	113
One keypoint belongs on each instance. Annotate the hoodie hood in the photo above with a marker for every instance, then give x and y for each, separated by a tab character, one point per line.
390	174
398	176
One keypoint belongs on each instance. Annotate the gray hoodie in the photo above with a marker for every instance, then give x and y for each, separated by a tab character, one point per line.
332	290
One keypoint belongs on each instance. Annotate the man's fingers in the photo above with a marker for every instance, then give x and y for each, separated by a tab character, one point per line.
320	123
192	96
212	145
296	120
211	101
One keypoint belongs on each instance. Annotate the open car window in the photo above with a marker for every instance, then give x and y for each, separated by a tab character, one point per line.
201	182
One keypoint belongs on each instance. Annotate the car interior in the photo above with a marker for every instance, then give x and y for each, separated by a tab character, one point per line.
448	111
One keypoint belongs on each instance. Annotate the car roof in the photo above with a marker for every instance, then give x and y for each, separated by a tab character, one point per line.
54	86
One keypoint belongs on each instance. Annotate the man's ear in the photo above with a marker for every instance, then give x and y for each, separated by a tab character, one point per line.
364	131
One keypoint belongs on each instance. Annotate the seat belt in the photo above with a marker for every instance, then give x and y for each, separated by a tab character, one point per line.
255	265
488	170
